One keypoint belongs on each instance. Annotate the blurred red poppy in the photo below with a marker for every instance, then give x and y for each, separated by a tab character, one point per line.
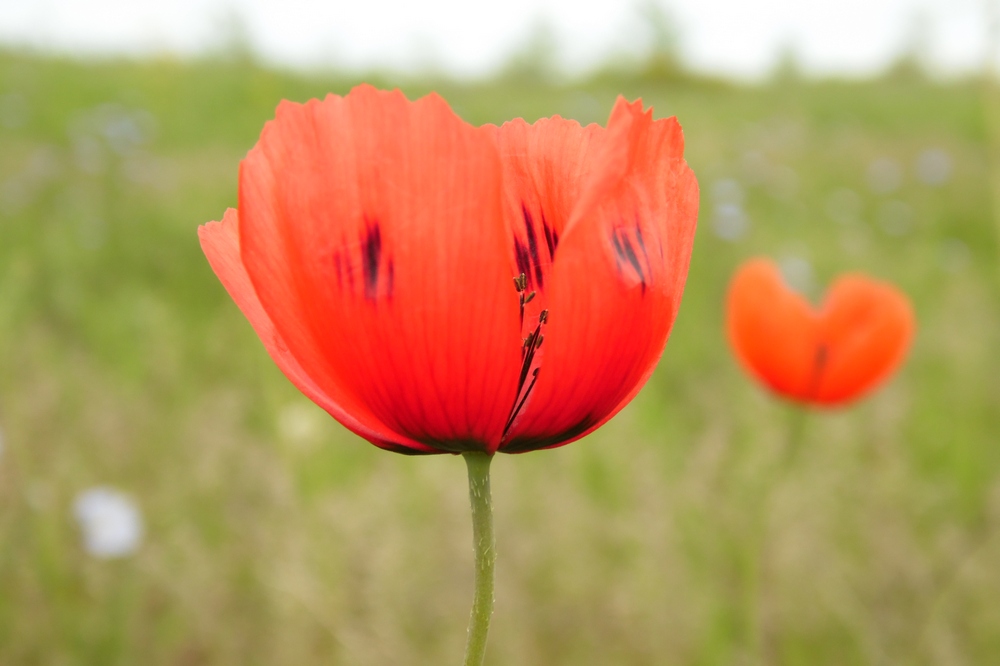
825	356
404	268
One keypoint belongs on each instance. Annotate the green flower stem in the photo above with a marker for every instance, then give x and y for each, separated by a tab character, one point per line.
484	545
796	432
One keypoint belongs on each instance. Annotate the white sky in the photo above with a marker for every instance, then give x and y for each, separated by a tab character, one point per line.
467	37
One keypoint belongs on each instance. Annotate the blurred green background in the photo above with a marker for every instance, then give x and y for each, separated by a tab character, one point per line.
678	534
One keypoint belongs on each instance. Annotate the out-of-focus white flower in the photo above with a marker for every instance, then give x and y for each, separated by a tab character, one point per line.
110	521
727	191
884	176
934	167
797	273
730	222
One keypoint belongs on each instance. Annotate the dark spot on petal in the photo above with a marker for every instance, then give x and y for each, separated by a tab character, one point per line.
456	445
551	239
522	445
522	258
529	227
371	253
626	254
405	450
619	251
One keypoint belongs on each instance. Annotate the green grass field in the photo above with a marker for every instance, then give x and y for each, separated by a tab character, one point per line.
679	534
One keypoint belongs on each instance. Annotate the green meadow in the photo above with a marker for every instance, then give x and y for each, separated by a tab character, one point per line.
685	532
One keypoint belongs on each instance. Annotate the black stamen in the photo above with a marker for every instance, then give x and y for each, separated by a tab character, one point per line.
517	409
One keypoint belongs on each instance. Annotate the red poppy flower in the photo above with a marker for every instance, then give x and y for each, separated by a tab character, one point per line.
825	356
439	287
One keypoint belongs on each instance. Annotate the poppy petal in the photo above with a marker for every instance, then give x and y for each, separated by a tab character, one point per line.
867	327
772	329
220	242
372	230
616	282
544	166
827	356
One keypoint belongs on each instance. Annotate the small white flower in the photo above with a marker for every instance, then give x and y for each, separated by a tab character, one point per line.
110	521
730	223
728	191
797	273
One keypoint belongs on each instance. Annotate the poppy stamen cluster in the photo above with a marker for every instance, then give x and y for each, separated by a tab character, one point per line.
529	348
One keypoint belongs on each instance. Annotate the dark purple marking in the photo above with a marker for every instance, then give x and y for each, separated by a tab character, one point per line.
619	251
626	253
551	238
522	258
524	444
642	243
529	227
371	254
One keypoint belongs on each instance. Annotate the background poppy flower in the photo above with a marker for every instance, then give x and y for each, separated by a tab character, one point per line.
438	287
825	356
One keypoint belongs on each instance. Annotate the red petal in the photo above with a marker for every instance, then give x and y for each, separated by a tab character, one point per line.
373	235
544	167
617	282
867	327
221	243
773	330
